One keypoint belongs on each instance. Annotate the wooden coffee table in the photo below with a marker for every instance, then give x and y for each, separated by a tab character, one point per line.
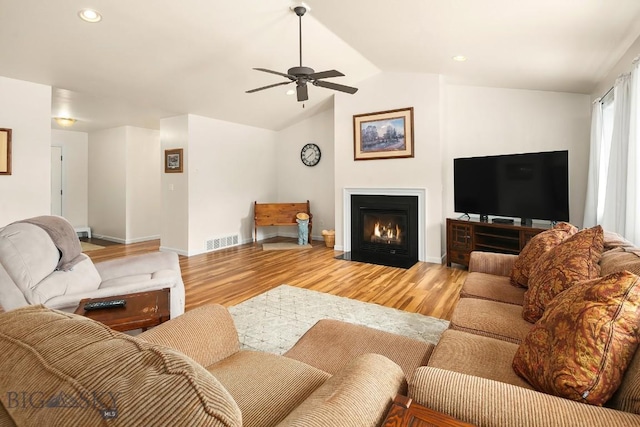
143	310
405	413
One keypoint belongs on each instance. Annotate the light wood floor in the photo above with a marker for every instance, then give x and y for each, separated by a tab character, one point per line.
232	275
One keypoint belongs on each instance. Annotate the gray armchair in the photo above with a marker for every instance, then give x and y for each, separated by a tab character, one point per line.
43	265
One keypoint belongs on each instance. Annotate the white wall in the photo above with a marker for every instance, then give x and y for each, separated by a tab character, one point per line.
389	91
297	182
174	188
230	167
75	174
143	184
479	121
108	183
26	109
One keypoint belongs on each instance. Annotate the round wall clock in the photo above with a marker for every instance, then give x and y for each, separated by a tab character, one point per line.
310	154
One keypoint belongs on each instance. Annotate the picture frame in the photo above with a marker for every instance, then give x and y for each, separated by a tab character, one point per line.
383	135
5	151
173	160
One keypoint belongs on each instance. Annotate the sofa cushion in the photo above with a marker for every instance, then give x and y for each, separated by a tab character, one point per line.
620	259
358	395
491	319
585	340
492	288
342	342
75	371
266	387
537	246
28	255
613	240
82	279
573	260
476	355
627	397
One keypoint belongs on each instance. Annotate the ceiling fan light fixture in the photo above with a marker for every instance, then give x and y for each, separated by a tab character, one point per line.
291	92
90	15
459	58
64	121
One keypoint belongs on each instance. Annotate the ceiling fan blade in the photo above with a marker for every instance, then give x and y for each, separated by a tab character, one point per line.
289	76
267	87
325	74
303	92
335	86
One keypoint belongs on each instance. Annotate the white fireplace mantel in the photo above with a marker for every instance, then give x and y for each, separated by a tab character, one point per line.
421	193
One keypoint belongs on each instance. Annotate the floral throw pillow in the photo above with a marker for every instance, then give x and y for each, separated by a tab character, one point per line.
571	261
538	245
584	342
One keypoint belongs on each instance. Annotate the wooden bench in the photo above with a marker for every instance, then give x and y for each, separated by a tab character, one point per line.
279	214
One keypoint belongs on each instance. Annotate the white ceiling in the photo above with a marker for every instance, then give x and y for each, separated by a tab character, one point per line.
150	59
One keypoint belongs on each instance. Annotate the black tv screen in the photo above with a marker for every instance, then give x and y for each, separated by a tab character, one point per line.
531	185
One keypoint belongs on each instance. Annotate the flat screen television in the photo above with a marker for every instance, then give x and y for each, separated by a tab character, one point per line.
528	186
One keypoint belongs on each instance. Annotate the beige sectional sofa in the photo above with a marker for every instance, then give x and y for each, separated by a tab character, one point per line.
470	374
32	269
63	369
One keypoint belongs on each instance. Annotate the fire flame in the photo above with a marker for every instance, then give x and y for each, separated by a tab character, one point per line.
389	232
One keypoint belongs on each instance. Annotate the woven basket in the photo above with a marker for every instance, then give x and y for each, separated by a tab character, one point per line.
330	240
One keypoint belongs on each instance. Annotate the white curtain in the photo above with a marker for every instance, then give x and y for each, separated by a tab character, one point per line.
593	179
632	220
621	202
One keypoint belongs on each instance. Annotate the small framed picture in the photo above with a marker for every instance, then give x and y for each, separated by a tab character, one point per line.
5	151
383	135
173	160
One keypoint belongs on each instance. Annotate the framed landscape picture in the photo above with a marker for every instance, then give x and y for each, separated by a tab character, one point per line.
173	161
383	135
5	151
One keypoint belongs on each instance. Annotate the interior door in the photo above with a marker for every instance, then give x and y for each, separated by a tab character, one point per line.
56	181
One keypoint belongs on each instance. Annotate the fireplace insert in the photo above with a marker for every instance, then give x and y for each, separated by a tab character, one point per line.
384	230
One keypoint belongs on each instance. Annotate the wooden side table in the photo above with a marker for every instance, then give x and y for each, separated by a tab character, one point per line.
143	310
405	413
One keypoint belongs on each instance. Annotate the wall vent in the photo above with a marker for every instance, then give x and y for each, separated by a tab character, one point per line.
216	243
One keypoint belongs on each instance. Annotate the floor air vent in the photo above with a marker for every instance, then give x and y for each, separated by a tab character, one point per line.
222	242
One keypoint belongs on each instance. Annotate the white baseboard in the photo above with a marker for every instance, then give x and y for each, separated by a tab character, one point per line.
178	251
124	241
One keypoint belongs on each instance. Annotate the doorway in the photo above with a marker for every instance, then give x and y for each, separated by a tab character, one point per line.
56	181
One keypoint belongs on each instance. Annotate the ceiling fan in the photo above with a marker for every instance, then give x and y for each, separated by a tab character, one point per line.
303	75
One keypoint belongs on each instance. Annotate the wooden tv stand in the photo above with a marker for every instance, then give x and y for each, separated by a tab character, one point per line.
465	236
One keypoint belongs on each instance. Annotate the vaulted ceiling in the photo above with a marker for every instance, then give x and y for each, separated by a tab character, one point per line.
149	59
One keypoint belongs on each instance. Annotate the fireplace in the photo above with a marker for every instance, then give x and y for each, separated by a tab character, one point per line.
384	229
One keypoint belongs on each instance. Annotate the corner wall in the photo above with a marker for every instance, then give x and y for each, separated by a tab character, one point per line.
297	182
25	108
227	166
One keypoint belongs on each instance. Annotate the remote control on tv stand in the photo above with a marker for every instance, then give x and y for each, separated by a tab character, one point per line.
114	303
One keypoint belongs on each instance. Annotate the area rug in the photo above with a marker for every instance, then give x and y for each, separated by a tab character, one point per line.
86	246
283	246
275	320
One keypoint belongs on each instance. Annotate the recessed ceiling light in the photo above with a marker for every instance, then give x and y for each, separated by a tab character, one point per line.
90	15
459	58
291	92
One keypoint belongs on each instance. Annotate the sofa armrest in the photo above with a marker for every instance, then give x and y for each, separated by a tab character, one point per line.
360	394
491	263
138	264
486	402
206	334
